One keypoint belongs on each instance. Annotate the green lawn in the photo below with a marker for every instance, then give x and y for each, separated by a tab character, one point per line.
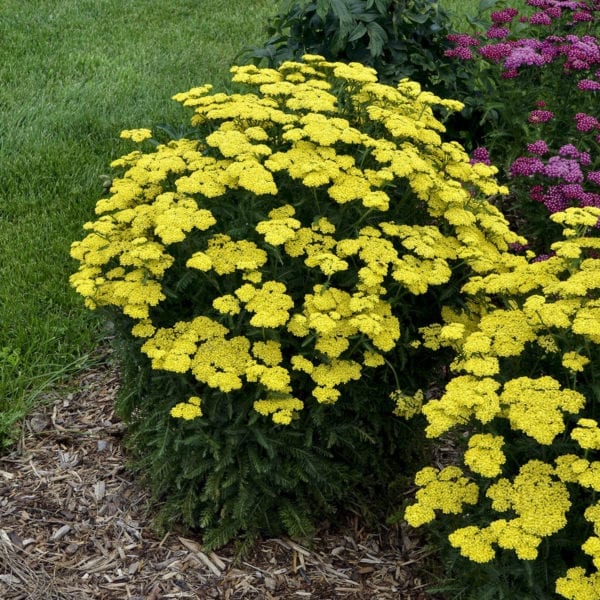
73	74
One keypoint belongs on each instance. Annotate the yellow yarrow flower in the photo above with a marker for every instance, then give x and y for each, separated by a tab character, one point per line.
136	135
576	585
446	490
474	543
484	454
407	406
536	406
587	434
574	361
187	410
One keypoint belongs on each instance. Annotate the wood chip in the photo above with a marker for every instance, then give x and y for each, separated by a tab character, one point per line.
74	526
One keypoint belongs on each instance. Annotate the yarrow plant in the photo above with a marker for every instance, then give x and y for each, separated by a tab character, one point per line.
349	240
275	267
525	392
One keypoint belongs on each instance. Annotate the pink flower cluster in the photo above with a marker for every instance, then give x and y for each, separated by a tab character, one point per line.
579	53
562	176
586	123
480	155
540	116
556	172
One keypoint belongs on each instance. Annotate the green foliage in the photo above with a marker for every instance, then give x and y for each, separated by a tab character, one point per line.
399	38
233	477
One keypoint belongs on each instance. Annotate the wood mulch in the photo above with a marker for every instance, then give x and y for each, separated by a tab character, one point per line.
74	525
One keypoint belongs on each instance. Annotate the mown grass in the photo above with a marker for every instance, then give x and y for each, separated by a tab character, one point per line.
73	74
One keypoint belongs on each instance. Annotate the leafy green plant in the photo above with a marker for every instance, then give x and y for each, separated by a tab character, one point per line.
268	275
399	38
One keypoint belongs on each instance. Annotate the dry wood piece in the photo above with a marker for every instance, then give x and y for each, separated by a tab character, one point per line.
74	526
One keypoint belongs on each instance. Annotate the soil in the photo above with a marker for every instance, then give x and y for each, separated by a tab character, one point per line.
75	524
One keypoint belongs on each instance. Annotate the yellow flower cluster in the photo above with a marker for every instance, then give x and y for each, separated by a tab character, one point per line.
303	210
446	490
407	406
540	503
523	316
187	410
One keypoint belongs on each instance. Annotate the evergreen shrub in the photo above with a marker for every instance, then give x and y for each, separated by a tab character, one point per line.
268	275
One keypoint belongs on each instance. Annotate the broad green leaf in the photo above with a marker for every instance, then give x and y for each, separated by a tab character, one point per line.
487	4
377	38
358	32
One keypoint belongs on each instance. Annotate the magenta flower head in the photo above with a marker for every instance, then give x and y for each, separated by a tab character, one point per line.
581	16
504	16
498	33
582	53
539	148
540	18
554	11
480	155
527	54
543	257
540	116
566	169
568	150
496	52
594	177
526	166
536	192
461	52
588	85
555	201
585	122
510	73
462	39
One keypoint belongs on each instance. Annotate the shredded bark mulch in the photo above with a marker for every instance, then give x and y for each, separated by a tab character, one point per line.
74	524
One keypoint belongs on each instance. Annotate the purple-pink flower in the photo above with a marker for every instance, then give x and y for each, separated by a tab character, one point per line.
480	155
594	177
462	52
462	39
496	52
540	116
536	192
554	11
554	200
581	53
585	122
524	55
496	32
504	16
540	18
526	166
568	150
590	85
539	147
566	169
581	16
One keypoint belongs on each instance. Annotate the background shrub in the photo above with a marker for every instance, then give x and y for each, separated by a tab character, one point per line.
399	38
